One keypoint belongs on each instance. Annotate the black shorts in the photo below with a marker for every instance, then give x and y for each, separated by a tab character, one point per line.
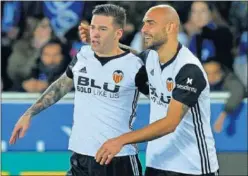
156	172
83	165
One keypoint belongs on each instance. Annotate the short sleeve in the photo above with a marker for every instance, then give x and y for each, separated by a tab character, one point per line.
70	66
82	50
141	81
190	82
143	55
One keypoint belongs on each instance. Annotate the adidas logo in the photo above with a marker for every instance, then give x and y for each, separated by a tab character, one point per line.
152	72
83	70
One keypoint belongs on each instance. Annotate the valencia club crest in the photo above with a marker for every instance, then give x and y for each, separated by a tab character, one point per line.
118	76
169	84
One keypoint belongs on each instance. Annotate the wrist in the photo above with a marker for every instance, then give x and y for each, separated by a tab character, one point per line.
122	140
28	115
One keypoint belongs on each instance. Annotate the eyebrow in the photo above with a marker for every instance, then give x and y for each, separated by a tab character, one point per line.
149	21
103	26
99	26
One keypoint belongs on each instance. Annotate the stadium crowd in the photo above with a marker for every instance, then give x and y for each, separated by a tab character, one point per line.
39	39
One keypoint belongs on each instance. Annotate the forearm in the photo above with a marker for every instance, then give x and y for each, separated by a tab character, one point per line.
159	128
128	48
53	94
234	101
153	131
236	90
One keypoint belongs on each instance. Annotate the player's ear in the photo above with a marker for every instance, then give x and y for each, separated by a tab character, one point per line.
119	33
170	27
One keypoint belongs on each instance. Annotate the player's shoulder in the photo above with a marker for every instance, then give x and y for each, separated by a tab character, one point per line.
85	48
144	55
130	57
189	64
134	58
84	52
186	57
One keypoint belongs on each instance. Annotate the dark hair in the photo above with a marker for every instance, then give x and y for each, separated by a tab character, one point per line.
56	41
117	12
53	41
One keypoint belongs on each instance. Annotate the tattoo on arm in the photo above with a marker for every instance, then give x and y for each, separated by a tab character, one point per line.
53	94
185	109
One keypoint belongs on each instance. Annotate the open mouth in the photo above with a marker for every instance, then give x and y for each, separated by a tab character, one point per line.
147	37
94	42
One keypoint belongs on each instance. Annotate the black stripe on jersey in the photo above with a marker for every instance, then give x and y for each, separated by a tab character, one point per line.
201	142
204	139
133	114
70	66
198	141
201	139
134	104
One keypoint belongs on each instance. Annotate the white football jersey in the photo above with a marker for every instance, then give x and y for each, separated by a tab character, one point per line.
190	149
106	94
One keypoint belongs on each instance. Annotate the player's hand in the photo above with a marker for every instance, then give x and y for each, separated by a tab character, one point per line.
20	128
108	150
84	32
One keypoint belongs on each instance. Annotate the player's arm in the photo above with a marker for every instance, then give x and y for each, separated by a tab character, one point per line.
52	94
182	99
125	47
189	84
159	128
155	130
141	81
141	78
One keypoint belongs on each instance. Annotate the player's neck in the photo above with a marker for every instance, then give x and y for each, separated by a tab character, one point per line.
113	52
167	51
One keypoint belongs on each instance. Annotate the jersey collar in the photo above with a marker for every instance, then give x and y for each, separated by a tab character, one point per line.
104	60
173	58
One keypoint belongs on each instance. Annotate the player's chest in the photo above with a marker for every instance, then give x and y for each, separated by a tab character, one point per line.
161	79
161	83
96	75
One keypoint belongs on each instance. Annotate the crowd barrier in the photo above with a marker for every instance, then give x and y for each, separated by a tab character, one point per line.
43	151
56	121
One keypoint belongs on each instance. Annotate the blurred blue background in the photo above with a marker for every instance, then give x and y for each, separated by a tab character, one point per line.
56	122
29	27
